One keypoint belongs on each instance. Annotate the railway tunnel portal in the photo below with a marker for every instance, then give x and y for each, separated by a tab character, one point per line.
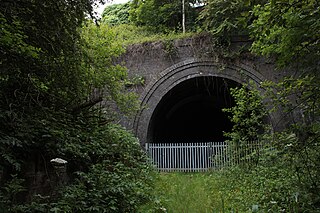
185	91
182	98
185	103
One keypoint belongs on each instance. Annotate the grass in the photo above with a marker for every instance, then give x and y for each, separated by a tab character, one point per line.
262	189
190	193
185	192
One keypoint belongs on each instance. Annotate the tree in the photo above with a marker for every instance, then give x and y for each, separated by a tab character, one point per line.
116	14
39	66
162	15
54	65
228	18
288	29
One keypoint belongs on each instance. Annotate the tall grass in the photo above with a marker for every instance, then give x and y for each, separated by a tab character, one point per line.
264	189
187	193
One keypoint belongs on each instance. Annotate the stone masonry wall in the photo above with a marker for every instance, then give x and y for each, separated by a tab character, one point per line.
165	64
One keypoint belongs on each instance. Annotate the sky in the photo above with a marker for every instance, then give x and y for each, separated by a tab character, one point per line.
101	8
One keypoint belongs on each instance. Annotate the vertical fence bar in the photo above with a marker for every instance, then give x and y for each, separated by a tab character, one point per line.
157	159
187	158
176	157
201	157
220	155
210	154
180	155
198	157
154	156
193	157
160	156
186	153
161	151
196	166
207	155
165	157
183	157
223	155
170	157
157	150
204	155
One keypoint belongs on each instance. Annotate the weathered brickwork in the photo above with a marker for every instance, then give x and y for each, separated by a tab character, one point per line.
164	65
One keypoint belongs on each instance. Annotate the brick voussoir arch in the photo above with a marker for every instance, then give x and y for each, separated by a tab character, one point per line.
180	72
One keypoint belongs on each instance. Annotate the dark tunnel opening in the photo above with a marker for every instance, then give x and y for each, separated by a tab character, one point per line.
192	112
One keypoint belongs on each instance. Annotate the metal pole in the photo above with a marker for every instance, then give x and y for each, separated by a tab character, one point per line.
183	18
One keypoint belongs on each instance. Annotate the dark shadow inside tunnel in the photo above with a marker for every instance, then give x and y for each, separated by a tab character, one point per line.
192	112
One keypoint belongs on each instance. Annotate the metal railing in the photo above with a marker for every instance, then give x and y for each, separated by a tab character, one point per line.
187	157
200	156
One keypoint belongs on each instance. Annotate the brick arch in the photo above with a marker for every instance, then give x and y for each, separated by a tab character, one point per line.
174	75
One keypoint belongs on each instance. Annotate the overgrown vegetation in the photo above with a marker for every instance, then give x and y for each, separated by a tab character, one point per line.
279	177
148	21
116	14
249	126
162	15
179	192
258	190
60	93
282	175
129	34
225	19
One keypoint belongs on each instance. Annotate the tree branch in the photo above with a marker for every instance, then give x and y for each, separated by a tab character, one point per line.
87	104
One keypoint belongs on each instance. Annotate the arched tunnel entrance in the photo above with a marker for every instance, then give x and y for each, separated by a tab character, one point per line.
192	111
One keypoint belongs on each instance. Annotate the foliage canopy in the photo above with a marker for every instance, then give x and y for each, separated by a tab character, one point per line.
116	14
288	29
162	16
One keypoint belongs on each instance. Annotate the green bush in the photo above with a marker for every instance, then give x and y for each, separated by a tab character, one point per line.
112	174
118	177
116	14
284	175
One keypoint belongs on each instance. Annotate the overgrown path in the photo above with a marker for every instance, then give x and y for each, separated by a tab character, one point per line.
187	193
227	190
